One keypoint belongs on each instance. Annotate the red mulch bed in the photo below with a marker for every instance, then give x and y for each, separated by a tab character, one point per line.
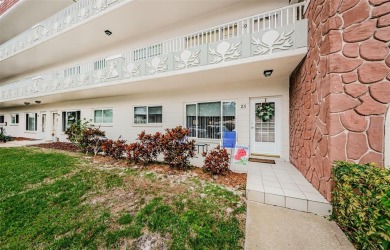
230	179
59	145
22	139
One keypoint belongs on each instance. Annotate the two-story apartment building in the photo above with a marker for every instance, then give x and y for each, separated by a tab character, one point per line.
210	66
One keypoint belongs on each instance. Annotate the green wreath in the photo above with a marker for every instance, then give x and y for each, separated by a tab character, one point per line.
266	111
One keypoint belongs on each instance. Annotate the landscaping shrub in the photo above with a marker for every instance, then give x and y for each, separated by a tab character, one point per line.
115	149
176	147
5	138
146	150
74	132
216	161
84	135
361	203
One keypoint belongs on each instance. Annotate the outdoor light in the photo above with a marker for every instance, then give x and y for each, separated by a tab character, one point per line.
268	73
26	103
37	102
108	33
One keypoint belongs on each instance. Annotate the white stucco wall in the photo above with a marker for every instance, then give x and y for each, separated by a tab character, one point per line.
173	102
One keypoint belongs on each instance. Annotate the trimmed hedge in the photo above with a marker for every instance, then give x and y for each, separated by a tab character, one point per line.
361	203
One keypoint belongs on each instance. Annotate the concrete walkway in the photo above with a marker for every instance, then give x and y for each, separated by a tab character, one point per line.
271	227
12	144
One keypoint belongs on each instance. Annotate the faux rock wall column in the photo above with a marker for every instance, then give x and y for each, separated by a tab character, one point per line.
340	92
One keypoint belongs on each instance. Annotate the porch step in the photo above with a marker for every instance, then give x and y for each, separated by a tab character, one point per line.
281	184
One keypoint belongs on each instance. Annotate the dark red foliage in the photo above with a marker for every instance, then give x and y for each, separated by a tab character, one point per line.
146	150
91	140
216	161
115	149
176	147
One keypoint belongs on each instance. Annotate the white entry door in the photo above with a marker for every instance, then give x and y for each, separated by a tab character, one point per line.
265	126
44	130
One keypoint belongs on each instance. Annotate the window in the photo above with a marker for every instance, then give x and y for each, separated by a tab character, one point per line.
207	120
147	114
1	118
14	119
31	121
69	117
102	116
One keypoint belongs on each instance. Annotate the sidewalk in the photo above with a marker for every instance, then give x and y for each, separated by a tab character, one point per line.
12	144
271	227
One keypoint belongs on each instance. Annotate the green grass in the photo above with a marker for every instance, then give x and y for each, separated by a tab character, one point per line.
20	167
51	200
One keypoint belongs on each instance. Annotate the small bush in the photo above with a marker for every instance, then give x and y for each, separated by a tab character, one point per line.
115	149
176	147
361	203
85	136
5	138
216	161
146	150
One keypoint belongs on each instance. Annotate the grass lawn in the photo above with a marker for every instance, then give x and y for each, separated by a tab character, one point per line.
52	199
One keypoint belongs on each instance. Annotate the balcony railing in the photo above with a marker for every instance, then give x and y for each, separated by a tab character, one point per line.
59	22
260	35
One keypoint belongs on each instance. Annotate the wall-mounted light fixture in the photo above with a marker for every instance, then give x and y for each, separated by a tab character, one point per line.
268	72
26	103
108	33
37	102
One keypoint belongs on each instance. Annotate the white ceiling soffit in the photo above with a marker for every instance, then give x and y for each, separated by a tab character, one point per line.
27	13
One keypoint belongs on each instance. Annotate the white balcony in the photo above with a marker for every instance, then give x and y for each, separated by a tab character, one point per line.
25	13
63	20
280	33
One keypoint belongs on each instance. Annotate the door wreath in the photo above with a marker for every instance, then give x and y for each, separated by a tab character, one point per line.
265	111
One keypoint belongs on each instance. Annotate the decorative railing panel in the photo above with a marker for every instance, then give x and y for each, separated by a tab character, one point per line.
255	36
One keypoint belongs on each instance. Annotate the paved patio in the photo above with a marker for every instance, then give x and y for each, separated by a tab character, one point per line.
282	185
274	228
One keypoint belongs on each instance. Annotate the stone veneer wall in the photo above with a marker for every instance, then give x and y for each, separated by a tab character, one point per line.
340	92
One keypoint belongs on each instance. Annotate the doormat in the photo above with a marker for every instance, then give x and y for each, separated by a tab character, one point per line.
261	160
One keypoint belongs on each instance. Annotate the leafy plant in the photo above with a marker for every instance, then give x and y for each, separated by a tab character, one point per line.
177	148
216	161
115	149
84	135
3	137
361	203
74	131
146	150
266	111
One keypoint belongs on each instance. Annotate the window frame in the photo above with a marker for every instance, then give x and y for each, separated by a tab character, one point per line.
35	115
64	124
2	115
103	123
197	121
147	115
17	119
